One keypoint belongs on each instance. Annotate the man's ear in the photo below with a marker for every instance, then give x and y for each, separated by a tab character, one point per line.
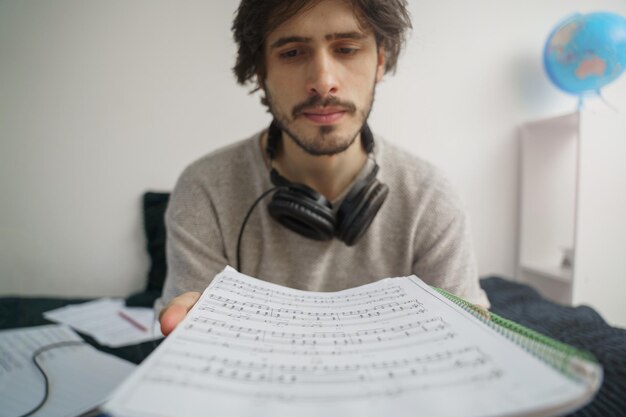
380	64
259	81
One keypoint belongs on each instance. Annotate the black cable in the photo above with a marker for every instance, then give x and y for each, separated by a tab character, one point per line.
45	376
245	220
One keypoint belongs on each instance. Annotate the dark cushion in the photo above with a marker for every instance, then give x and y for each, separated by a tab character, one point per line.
154	206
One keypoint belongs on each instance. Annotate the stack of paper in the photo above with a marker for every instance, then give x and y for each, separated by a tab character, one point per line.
109	321
395	347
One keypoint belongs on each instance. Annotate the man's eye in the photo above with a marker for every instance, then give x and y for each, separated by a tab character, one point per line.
292	53
347	51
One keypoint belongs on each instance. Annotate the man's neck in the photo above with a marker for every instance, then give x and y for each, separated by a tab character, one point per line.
328	175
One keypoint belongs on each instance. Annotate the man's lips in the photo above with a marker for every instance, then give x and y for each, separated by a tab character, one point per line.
326	115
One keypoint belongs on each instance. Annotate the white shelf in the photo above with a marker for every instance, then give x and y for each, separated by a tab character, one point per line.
573	198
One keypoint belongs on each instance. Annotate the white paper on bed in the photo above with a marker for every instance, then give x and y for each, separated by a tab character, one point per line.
80	377
392	348
109	321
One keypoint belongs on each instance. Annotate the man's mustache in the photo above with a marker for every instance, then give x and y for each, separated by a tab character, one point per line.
317	101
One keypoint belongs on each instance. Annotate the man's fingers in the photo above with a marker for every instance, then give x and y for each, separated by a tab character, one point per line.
176	311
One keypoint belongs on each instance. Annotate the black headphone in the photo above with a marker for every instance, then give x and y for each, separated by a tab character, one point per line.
307	212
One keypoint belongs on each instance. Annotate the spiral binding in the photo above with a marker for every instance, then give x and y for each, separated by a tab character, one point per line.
572	362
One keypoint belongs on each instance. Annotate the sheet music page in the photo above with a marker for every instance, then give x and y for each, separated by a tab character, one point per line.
394	347
80	377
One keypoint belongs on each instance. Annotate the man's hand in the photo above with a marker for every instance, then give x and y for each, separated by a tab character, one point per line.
176	311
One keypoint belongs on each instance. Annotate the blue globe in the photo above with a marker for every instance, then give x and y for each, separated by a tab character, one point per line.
585	52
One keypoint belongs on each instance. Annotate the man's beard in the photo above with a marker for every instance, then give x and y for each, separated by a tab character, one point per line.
327	142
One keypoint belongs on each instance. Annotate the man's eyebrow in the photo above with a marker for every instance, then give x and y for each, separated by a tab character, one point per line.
331	36
346	35
289	39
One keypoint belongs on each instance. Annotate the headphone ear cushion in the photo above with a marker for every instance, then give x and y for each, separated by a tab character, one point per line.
304	211
357	211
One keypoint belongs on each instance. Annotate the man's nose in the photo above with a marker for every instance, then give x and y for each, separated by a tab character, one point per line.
322	78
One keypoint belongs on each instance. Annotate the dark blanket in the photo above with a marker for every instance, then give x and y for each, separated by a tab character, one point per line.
581	327
25	312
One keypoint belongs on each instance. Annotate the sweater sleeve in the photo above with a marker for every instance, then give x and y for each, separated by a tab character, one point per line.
195	245
445	256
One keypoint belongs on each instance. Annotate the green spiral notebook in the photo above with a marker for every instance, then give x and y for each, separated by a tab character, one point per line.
395	347
576	364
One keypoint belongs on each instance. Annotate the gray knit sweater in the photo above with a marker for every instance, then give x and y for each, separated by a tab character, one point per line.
421	229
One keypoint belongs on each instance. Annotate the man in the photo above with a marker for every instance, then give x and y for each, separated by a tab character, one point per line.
317	63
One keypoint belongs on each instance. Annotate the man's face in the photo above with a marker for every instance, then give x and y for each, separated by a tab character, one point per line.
321	70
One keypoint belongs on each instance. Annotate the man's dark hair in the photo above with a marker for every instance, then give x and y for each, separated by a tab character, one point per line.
255	19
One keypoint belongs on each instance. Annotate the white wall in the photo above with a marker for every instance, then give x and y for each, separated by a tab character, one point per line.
100	101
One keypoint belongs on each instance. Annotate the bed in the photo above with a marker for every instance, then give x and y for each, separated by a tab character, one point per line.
580	326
